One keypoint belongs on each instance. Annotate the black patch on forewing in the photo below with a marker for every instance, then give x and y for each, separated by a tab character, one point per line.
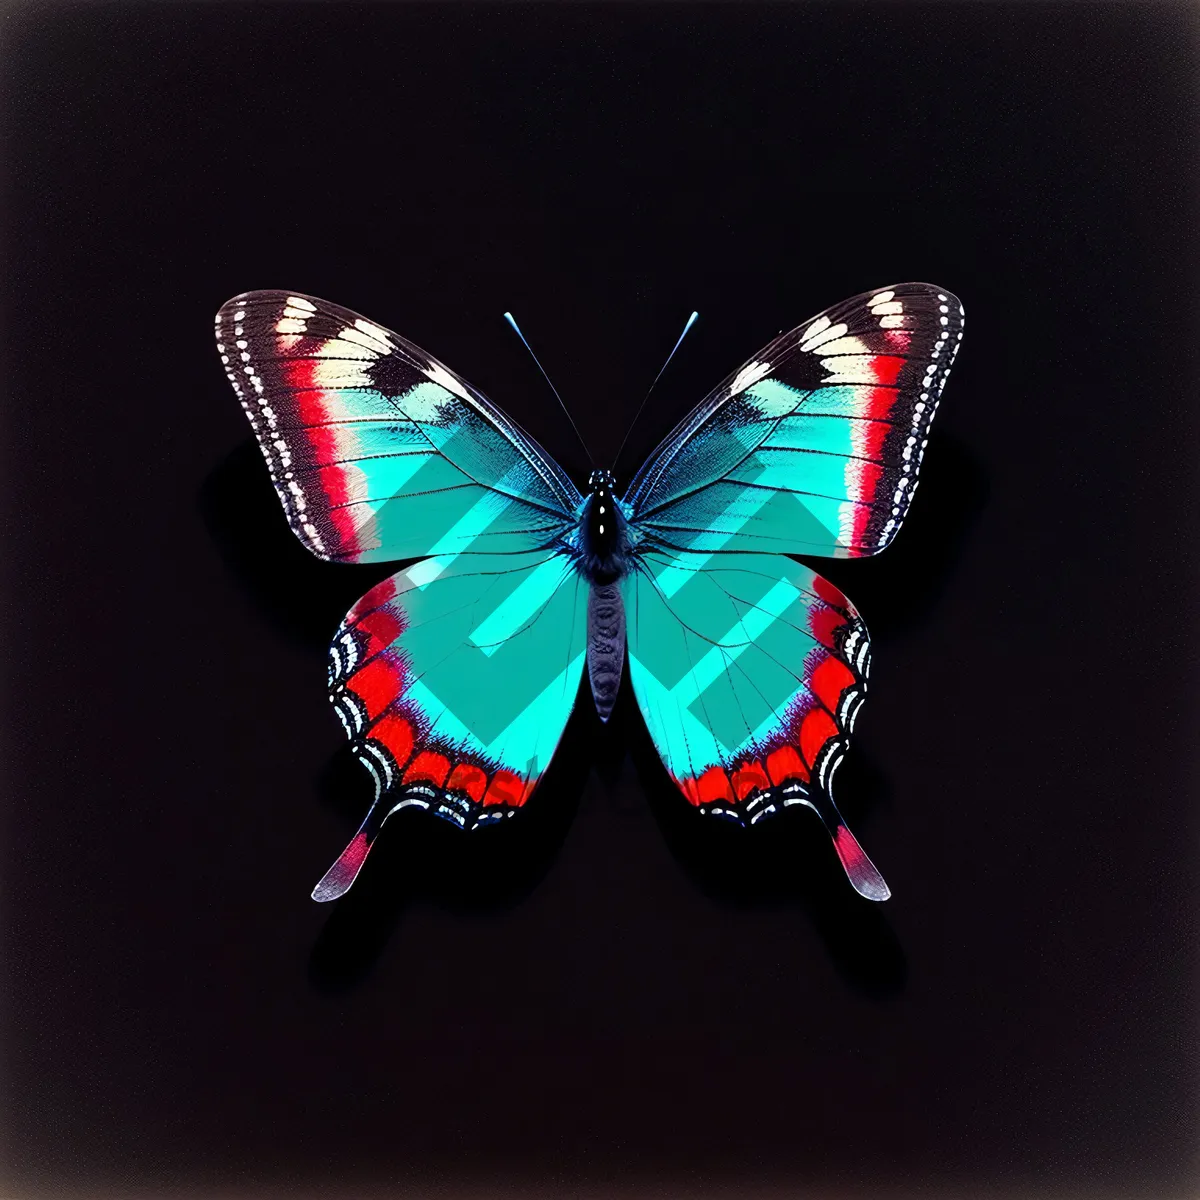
391	375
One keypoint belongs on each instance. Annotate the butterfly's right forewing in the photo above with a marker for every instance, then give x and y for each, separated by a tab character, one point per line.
814	445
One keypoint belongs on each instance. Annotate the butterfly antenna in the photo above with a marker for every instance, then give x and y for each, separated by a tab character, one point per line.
690	322
509	318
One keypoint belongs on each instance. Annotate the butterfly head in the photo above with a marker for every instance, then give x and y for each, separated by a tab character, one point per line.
603	536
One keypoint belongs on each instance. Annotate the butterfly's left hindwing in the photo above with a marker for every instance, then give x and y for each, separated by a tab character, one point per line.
454	680
750	671
379	452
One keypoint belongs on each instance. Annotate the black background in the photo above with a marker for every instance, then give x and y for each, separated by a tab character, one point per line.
601	998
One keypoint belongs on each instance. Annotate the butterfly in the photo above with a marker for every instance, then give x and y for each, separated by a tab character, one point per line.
454	677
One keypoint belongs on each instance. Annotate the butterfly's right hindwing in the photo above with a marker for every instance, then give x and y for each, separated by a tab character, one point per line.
454	680
750	671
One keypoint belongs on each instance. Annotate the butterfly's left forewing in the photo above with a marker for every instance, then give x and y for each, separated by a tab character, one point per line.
454	680
378	451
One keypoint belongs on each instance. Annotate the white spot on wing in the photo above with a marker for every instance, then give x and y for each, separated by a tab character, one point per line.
409	802
844	345
827	333
343	347
750	374
443	378
361	339
377	335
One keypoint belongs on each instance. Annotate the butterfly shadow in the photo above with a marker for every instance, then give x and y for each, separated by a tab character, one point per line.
419	859
785	862
899	589
292	591
415	858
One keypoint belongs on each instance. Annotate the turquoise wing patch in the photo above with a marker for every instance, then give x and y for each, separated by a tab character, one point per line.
377	451
814	445
454	680
750	671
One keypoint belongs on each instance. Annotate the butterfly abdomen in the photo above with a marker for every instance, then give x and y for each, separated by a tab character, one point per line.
606	645
605	557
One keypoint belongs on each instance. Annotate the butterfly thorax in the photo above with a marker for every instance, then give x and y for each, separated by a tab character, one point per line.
603	532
